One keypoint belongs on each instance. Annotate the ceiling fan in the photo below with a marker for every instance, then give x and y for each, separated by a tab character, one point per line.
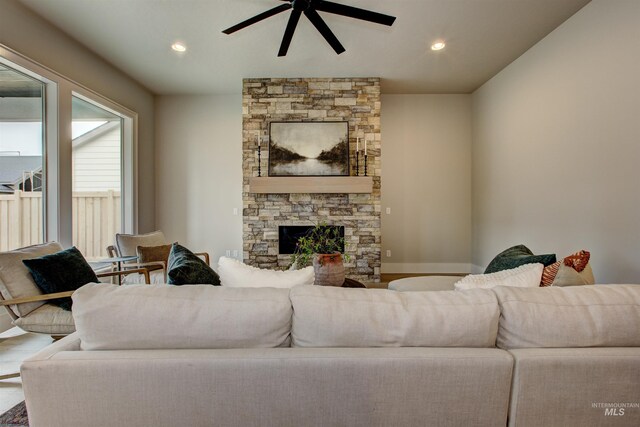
310	9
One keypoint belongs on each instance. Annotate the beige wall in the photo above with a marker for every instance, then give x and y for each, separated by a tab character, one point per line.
35	38
426	182
556	145
199	171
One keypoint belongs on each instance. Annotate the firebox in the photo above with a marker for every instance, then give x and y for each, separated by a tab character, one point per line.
288	236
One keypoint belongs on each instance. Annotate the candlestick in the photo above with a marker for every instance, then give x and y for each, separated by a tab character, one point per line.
259	160
357	163
259	153
365	162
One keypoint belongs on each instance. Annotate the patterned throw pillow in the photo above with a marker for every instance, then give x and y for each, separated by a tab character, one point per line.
572	270
186	268
516	256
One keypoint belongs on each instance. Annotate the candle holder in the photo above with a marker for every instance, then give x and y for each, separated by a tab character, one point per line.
365	165
259	159
357	163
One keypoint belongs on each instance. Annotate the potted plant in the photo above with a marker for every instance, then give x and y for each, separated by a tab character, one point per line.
321	247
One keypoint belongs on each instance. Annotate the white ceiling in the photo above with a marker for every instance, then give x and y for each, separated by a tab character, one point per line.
483	36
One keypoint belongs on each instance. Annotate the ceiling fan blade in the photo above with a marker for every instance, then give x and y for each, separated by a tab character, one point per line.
288	33
321	26
264	15
354	12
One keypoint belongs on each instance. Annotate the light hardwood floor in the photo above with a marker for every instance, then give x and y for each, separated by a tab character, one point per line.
15	346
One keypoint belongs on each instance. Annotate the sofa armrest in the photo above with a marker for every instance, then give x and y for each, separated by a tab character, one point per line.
34	298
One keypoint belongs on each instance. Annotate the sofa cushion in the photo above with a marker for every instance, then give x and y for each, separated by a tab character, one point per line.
337	317
110	317
525	276
63	271
15	279
516	256
186	268
234	273
577	316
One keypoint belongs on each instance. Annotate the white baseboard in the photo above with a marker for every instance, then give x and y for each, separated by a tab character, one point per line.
417	268
5	321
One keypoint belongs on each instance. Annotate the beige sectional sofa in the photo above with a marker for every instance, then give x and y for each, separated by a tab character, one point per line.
313	356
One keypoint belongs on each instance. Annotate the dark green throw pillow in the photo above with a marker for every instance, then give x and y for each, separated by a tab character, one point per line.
186	268
60	272
516	256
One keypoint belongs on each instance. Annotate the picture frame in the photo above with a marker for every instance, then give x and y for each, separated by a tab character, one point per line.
309	148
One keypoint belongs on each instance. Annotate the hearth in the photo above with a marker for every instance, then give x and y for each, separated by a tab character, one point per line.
288	236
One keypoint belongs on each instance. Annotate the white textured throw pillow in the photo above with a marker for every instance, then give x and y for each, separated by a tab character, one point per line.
234	273
525	276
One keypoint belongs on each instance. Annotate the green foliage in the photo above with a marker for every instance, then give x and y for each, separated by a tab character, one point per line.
321	239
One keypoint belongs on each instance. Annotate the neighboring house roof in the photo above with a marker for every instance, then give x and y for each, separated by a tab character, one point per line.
12	168
95	133
5	190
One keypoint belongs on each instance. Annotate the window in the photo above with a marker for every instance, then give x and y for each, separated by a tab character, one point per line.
97	177
81	172
21	159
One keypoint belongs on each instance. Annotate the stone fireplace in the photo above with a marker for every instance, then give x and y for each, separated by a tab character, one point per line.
356	100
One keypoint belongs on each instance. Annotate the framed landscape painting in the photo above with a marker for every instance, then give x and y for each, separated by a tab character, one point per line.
309	149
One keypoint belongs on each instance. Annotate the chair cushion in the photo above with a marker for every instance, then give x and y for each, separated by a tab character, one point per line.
576	316
111	317
15	279
525	276
234	273
339	317
156	277
47	319
127	244
186	268
516	256
60	272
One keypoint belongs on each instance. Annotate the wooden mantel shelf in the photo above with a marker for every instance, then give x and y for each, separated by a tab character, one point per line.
311	184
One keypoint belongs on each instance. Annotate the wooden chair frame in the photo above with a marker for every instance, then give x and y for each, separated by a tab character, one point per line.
47	297
56	295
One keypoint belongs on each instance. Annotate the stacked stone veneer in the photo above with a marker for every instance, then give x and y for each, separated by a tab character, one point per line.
356	100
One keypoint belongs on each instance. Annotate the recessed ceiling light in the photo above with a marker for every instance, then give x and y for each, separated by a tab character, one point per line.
439	45
178	47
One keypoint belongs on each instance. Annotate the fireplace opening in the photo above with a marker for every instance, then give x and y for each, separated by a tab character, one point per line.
288	236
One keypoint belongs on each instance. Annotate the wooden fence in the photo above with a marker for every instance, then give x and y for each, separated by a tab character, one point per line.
96	219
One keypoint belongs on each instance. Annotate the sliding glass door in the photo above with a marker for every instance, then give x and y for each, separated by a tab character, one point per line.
97	177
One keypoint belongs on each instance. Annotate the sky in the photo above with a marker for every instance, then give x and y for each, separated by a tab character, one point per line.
26	137
308	139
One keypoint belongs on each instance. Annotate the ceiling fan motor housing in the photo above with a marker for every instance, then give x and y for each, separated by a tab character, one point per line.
301	5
